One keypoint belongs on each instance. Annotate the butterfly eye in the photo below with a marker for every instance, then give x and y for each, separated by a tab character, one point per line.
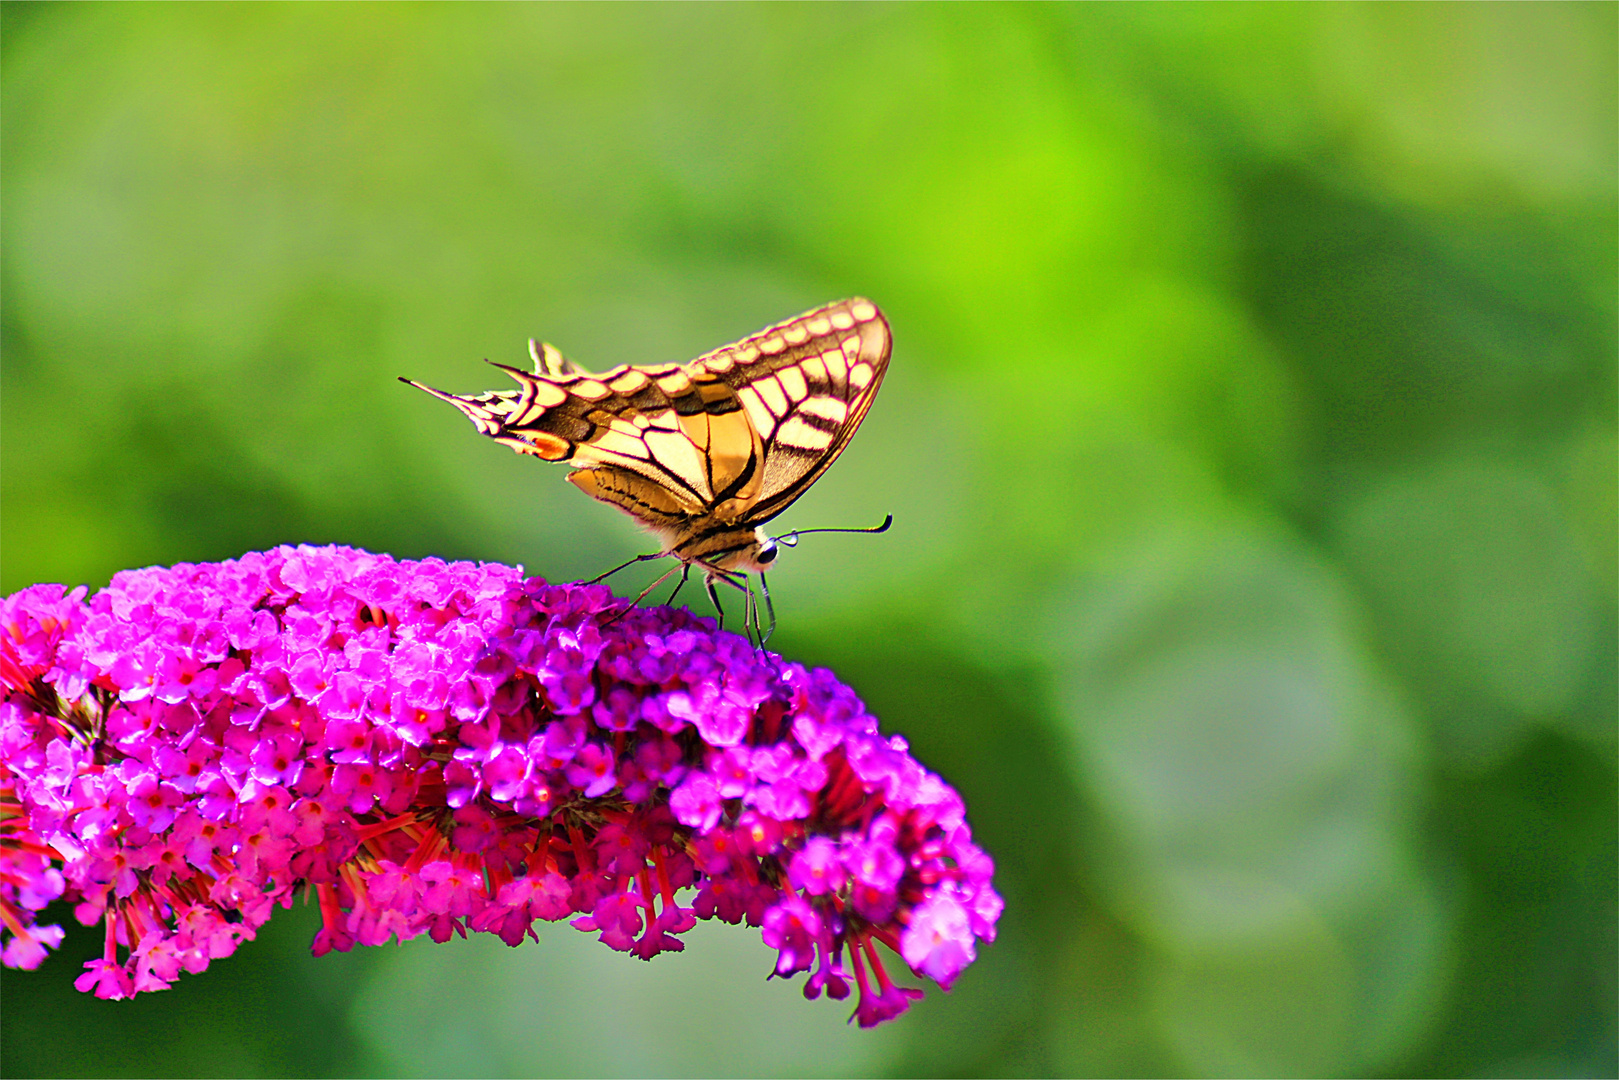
767	553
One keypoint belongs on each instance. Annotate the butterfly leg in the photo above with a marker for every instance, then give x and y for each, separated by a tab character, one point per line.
685	573
770	609
714	598
750	603
752	613
631	562
661	579
633	603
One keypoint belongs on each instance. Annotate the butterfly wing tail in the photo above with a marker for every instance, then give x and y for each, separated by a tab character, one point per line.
487	420
548	361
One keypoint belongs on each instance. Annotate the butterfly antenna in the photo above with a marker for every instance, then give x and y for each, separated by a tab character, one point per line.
791	539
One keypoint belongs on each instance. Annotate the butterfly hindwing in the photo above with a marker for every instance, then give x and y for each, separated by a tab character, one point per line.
650	503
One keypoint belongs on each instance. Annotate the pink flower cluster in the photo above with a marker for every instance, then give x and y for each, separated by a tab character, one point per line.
437	748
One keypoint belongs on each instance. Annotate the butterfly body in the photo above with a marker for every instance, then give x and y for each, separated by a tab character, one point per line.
702	454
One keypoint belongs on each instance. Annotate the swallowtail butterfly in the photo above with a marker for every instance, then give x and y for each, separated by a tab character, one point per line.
702	454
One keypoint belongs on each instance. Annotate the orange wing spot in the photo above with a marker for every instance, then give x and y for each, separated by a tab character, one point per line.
548	446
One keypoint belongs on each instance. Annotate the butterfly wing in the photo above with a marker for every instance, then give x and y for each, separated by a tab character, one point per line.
806	385
682	431
549	361
734	436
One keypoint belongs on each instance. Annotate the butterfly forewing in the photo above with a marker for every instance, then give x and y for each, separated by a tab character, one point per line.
729	440
806	385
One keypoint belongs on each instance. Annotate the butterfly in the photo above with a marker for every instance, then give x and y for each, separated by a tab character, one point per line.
702	454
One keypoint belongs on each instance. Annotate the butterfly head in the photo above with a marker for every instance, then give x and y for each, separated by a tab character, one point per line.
756	554
734	549
766	548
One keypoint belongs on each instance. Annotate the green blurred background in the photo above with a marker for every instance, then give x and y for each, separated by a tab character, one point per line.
1250	439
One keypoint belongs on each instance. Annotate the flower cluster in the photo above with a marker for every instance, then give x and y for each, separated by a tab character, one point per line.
437	748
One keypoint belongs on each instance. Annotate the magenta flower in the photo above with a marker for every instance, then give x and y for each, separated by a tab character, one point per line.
440	749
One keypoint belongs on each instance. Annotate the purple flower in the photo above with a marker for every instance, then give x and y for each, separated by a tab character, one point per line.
817	869
938	942
697	803
441	748
794	929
